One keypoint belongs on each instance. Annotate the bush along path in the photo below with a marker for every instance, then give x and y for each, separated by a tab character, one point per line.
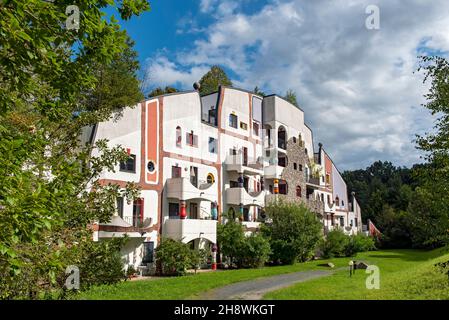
256	289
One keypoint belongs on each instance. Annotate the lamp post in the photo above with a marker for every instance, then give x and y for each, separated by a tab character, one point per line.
351	266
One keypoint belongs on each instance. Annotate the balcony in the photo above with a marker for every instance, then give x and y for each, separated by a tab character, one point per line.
191	229
183	189
244	165
237	196
119	227
313	181
273	171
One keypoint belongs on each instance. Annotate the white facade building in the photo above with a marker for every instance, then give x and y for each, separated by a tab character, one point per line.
197	159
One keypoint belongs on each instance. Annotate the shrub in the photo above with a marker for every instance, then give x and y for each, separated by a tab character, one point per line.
242	251
334	244
338	244
174	257
254	251
294	232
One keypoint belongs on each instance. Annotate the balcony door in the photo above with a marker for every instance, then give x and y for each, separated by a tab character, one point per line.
194	176
193	213
245	156
137	212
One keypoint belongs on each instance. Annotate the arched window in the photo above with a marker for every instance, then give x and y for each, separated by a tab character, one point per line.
178	136
294	139
298	191
210	178
337	201
282	138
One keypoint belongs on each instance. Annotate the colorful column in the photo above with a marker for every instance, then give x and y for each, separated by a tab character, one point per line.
214	257
182	209
276	186
214	211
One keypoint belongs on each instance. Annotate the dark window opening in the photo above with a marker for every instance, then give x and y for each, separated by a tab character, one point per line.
120	206
137	212
233	121
129	165
148	252
173	210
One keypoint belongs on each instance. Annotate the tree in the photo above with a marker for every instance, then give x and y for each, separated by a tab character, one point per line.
294	232
432	217
290	96
259	92
174	257
214	78
159	91
242	251
53	82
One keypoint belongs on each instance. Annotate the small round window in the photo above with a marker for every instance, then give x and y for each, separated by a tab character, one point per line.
151	166
210	178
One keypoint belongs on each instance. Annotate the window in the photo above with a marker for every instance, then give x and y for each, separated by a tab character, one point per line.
129	165
328	178
298	191
342	203
191	139
233	184
295	166
305	150
337	201
294	139
342	221
137	212
282	161
328	199
151	166
233	152
322	197
120	204
300	167
233	121
211	115
255	128
175	172
178	137
210	178
212	145
356	221
283	188
194	176
243	125
148	252
173	210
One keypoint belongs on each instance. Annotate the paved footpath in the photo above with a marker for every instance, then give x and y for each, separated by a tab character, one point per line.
257	288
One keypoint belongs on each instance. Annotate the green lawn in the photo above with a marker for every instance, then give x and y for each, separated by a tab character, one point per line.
187	287
404	274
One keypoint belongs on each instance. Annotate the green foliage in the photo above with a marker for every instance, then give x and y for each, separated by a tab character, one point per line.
242	251
53	83
338	244
290	96
159	91
259	92
359	243
395	226
214	78
294	232
174	257
334	244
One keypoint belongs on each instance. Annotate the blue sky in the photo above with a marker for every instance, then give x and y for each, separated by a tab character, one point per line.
358	87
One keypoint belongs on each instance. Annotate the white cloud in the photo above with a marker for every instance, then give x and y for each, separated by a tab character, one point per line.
357	86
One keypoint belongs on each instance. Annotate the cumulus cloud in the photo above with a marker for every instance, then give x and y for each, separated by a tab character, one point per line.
357	86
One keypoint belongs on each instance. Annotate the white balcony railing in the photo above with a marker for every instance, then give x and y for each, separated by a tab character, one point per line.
183	189
237	196
191	229
245	165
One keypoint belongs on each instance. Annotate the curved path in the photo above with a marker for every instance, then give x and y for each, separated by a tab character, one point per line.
257	288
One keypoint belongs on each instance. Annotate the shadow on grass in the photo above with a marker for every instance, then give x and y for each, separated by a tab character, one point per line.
410	254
